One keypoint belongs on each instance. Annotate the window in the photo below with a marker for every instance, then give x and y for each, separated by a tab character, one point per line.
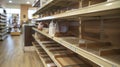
10	12
30	12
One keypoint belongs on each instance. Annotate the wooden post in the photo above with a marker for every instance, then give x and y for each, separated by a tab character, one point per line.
101	30
80	4
80	28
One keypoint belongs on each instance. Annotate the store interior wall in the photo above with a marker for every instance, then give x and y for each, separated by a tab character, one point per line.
12	6
24	13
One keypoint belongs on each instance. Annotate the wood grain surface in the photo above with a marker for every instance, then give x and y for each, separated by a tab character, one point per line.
12	54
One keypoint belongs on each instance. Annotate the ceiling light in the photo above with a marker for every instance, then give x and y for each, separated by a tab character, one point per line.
28	2
10	1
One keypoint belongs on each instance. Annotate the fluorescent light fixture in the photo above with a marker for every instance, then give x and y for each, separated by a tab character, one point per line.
10	1
28	2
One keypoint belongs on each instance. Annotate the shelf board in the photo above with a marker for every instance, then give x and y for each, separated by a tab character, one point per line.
3	37
36	3
1	20
50	54
73	62
2	17
89	55
53	45
3	30
3	33
1	14
101	48
45	63
75	48
3	27
116	58
101	9
2	24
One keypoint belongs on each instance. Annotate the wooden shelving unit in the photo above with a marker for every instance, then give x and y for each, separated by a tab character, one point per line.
74	46
104	9
98	24
3	28
52	4
57	53
43	55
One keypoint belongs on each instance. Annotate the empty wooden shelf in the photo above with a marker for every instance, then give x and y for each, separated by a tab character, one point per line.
43	56
59	51
92	32
75	47
71	61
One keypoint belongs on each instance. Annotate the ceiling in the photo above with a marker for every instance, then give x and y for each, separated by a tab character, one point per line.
16	1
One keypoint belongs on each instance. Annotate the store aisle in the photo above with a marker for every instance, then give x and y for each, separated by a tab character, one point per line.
12	54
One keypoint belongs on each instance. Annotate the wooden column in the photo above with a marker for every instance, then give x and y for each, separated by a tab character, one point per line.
24	12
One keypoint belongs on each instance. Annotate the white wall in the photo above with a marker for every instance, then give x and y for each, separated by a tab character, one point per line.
16	6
